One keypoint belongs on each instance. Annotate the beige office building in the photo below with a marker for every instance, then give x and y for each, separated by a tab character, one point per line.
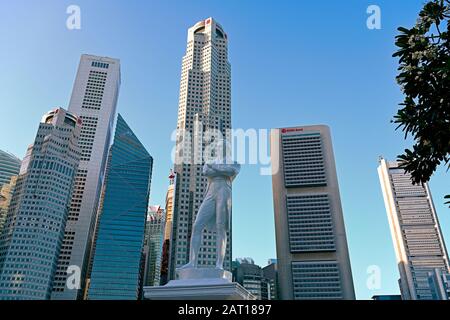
204	104
312	252
94	100
415	230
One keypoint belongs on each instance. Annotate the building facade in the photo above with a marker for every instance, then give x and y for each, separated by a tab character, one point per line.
9	166
117	259
34	229
269	288
249	275
170	197
153	245
312	252
415	230
439	284
6	192
204	105
94	99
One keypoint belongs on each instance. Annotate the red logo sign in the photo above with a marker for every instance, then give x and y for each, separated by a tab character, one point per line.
286	130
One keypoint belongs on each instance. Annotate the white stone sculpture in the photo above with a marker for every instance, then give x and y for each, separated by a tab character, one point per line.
214	213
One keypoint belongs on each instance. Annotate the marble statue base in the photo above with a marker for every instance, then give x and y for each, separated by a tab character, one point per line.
203	273
199	284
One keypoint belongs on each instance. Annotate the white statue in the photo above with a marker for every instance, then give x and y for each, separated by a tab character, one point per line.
214	213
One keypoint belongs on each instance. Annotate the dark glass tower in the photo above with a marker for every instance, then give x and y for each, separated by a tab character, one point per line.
116	268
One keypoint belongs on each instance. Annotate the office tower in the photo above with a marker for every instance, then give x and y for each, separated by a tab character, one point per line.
312	252
90	258
415	230
269	287
205	104
94	99
249	275
9	166
439	284
170	205
168	228
34	227
6	192
153	245
116	269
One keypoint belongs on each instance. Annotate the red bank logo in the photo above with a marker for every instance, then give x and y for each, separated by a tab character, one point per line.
287	130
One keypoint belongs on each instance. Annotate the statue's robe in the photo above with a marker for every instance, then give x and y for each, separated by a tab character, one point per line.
215	209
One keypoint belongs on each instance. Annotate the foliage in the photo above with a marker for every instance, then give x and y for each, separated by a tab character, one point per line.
424	58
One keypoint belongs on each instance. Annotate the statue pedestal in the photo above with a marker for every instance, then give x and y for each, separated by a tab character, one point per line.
199	284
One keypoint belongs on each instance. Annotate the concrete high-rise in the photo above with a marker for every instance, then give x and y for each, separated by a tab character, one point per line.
204	104
6	192
168	228
153	245
34	229
94	99
249	275
269	288
9	166
439	284
415	230
118	251
312	252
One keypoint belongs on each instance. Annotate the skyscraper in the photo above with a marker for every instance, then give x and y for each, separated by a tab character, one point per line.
269	289
415	230
9	166
205	104
312	252
117	260
439	284
6	192
170	200
153	245
34	227
249	275
94	99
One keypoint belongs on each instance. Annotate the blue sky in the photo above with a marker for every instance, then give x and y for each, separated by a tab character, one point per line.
293	63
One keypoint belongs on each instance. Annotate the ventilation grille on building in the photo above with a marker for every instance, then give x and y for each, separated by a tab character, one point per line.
316	280
303	160
310	223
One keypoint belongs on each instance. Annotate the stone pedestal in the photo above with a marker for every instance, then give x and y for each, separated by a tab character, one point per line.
199	284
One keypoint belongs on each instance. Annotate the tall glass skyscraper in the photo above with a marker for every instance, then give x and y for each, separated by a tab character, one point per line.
34	227
117	262
9	166
416	233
